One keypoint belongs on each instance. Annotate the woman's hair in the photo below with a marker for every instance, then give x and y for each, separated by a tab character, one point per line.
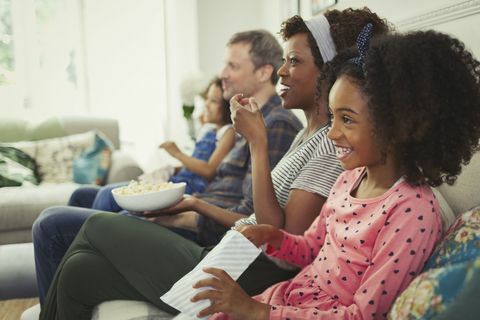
225	105
345	25
423	92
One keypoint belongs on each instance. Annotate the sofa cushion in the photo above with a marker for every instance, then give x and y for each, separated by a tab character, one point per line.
91	167
461	243
16	168
128	310
17	271
55	156
20	206
440	292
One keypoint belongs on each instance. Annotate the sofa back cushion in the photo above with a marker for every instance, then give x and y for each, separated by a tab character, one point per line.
463	195
54	157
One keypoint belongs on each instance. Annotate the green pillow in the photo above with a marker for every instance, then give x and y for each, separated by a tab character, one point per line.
16	168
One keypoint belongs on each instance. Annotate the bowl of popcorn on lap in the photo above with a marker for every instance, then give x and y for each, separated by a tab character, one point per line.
145	196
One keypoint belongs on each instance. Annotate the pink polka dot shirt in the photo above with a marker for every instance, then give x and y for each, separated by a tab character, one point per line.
358	254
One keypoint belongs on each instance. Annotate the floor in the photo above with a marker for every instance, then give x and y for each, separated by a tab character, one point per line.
12	309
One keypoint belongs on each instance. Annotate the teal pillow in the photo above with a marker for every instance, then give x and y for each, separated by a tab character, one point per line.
16	168
448	292
91	167
461	243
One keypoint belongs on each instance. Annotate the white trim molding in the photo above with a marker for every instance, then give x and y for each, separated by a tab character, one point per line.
440	15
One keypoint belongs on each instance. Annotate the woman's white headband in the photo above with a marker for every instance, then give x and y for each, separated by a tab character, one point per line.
320	29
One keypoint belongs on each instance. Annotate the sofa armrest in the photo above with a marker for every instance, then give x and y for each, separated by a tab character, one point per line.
123	168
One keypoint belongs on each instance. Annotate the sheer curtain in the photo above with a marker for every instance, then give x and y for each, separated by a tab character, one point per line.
45	76
125	64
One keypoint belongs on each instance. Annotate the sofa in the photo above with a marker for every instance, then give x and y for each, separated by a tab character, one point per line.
448	288
20	205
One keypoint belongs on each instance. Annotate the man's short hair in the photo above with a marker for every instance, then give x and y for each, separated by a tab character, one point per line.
265	49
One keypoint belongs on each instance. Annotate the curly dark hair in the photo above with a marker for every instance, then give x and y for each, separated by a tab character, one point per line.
423	92
345	25
217	82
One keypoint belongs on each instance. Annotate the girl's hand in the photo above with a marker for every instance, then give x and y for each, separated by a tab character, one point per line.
247	119
187	203
227	296
171	147
262	233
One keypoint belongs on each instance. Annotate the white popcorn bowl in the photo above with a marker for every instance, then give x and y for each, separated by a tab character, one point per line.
150	200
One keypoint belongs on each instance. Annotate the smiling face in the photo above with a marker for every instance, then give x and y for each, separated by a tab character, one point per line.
239	74
352	129
214	106
298	74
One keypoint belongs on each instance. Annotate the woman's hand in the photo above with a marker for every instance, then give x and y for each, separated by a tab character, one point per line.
172	148
262	233
227	296
187	203
247	119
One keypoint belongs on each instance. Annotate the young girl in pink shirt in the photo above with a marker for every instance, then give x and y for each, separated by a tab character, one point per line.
405	116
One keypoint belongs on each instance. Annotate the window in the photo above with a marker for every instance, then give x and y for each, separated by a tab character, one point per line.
40	58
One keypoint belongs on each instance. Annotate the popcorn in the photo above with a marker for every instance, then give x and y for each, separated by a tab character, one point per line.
135	188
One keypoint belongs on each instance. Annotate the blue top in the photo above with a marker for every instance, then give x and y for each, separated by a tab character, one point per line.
202	151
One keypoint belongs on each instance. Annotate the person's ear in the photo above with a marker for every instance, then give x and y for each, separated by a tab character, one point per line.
264	73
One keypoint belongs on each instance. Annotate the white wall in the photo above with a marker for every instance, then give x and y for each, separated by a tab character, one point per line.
456	17
218	20
125	56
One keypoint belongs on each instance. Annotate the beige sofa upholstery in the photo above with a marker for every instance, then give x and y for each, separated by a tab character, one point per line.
20	206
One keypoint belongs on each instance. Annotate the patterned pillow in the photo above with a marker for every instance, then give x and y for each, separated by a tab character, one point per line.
16	168
461	243
91	167
448	293
54	157
451	281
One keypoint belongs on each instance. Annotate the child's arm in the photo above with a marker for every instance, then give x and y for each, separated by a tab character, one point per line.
200	167
300	250
227	296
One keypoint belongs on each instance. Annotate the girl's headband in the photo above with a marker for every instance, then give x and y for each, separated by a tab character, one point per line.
320	29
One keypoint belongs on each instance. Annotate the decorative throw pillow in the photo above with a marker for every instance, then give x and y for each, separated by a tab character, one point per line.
54	157
461	243
16	168
440	292
451	278
91	167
